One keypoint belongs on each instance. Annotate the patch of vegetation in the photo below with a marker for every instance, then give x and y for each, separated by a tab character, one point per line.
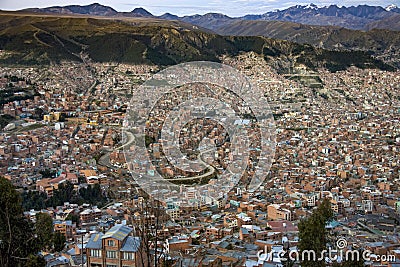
5	119
48	173
9	94
340	91
33	127
324	96
65	193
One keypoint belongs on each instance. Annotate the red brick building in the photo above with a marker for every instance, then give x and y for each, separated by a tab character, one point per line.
116	248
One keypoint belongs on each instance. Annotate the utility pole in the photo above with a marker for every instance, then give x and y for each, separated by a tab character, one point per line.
82	249
81	233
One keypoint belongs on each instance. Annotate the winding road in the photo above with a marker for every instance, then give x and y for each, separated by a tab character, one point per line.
105	161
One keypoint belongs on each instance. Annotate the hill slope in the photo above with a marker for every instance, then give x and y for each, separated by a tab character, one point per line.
383	44
36	39
283	24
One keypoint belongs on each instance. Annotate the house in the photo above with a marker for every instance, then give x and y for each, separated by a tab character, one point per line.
178	243
276	212
116	248
67	228
90	215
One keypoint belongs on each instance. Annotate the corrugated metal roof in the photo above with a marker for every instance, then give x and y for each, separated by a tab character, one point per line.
95	241
119	232
131	244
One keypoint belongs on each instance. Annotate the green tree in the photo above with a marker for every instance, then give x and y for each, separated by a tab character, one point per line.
47	173
351	263
35	261
44	230
313	235
64	193
73	217
38	113
59	241
93	195
33	200
17	238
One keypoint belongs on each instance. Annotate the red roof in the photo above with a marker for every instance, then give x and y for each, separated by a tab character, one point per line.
278	226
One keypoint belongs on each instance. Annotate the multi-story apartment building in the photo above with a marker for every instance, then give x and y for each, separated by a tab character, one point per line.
337	206
67	228
215	231
276	212
90	215
116	248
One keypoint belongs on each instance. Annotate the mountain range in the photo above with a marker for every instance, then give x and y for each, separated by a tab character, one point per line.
43	35
354	17
361	17
42	39
380	35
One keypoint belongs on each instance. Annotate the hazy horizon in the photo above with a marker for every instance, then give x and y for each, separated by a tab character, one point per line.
182	7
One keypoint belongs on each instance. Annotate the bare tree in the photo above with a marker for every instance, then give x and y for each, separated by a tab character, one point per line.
148	217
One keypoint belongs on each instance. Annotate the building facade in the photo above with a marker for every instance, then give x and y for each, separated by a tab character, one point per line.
116	248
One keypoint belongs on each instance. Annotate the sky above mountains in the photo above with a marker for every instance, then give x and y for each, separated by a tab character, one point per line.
190	7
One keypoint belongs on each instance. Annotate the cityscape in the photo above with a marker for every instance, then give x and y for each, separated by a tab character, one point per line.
162	141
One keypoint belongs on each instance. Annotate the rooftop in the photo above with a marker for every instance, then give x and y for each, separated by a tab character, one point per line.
119	232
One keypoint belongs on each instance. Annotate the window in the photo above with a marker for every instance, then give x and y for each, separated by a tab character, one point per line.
111	243
128	256
111	254
95	253
111	265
